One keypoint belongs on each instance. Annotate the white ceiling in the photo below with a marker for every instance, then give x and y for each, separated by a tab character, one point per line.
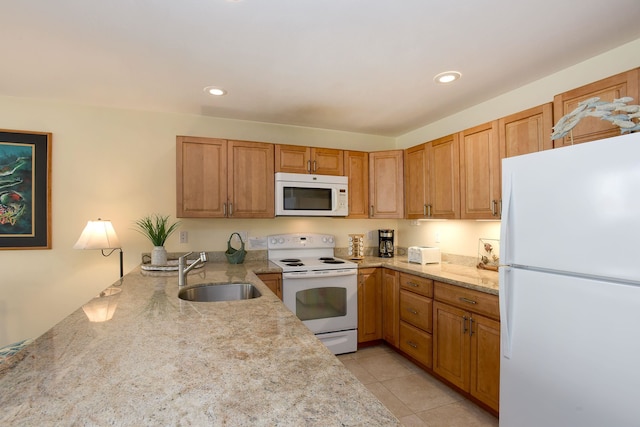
355	65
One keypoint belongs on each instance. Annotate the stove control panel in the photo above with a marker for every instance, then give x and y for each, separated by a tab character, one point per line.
300	240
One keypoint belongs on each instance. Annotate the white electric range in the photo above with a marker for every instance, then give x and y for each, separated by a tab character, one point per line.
320	289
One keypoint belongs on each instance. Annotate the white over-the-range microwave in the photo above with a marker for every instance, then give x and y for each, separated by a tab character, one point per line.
298	194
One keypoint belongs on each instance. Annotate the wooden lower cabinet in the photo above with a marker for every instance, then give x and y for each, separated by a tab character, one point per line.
466	344
416	314
369	305
390	307
416	343
273	282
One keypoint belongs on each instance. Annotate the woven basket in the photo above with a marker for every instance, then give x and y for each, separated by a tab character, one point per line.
235	256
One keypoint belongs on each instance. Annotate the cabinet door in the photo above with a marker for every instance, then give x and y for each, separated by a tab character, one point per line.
485	360
526	132
327	161
356	164
292	158
415	181
592	128
201	177
251	180
273	281
386	184
443	186
369	305
451	344
480	172
390	307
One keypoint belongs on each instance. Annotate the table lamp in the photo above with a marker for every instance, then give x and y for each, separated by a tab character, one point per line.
100	235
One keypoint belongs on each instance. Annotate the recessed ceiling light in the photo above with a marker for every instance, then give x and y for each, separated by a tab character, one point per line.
215	91
447	77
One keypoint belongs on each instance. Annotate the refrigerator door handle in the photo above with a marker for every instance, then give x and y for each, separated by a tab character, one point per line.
506	300
506	256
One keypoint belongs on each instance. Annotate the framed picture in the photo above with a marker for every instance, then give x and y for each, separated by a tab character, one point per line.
25	190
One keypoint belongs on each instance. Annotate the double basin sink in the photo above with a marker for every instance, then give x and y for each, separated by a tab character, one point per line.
211	292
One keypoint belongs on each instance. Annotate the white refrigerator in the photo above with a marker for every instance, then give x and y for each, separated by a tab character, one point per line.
570	286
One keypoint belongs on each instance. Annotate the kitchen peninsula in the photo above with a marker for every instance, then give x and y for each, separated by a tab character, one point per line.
164	361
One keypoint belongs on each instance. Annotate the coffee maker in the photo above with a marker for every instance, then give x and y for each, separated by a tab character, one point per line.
385	243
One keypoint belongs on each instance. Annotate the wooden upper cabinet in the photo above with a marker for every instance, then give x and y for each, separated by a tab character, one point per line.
327	161
443	190
526	132
217	178
432	184
251	180
301	159
201	186
592	128
386	184
480	184
356	168
415	181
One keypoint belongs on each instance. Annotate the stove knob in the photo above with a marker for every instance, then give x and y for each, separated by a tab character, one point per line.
330	239
281	240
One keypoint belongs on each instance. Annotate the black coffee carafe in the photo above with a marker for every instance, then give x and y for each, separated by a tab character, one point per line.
385	243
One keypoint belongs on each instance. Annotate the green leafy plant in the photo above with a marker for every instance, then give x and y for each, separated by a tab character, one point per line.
156	228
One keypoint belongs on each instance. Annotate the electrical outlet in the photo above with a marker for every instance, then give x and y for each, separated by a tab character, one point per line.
184	237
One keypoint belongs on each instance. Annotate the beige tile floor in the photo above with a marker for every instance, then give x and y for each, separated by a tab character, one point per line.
412	395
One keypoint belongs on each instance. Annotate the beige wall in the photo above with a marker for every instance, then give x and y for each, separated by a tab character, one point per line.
623	58
120	165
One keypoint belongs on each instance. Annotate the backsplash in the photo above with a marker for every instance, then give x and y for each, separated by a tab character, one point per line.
372	251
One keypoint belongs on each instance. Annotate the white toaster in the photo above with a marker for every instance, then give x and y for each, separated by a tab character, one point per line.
424	255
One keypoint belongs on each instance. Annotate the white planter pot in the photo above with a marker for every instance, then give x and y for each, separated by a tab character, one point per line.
159	256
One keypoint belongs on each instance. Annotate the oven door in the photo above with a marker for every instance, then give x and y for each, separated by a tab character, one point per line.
326	301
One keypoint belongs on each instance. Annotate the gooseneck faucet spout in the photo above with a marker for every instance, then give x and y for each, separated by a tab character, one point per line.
183	269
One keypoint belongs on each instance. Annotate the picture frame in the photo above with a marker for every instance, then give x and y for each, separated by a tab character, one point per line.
25	189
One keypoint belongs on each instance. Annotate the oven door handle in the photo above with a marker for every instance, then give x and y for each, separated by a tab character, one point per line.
319	273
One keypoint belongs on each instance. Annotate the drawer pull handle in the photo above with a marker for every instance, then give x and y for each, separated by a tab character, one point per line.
412	311
464	324
412	344
467	300
415	285
471	326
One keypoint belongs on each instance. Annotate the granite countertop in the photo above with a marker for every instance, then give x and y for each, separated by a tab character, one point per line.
164	361
460	275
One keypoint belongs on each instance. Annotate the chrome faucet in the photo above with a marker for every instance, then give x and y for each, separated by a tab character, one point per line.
183	269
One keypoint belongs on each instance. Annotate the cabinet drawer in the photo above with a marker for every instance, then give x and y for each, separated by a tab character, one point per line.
467	299
416	284
416	309
416	343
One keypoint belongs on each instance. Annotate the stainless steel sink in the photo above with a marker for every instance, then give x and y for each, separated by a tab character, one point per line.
219	292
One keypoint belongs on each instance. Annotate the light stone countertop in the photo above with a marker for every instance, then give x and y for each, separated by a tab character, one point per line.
468	277
164	361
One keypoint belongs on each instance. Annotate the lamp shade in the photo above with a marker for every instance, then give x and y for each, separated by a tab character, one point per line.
98	235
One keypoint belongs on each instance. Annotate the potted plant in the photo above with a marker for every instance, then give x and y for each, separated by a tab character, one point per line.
157	229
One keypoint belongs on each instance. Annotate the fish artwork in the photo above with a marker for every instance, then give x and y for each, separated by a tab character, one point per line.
12	206
13	203
617	113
